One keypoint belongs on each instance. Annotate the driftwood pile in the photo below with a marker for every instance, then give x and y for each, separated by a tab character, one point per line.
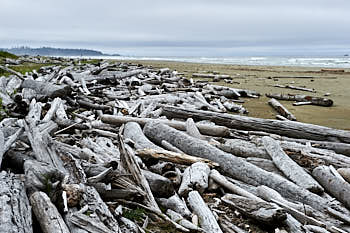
84	148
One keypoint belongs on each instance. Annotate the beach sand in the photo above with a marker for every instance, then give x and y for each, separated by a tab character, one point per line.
260	78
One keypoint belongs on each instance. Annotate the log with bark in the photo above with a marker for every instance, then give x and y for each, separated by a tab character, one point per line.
303	98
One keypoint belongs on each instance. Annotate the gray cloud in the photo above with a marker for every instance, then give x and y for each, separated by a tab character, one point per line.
191	27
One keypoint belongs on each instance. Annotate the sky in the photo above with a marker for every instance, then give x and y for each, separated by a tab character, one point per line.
180	27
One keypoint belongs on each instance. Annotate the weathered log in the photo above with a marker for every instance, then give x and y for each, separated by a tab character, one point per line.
129	163
296	88
134	132
176	204
176	217
118	76
303	98
15	211
205	129
89	224
47	214
179	158
192	130
229	227
216	76
195	177
338	188
170	147
206	218
2	145
221	180
243	148
290	168
261	211
265	164
281	109
285	128
47	90
160	186
232	165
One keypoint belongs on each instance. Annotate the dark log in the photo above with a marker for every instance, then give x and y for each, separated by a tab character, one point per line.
285	128
15	211
303	98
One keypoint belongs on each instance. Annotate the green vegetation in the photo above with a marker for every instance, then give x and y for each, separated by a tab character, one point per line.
134	215
4	54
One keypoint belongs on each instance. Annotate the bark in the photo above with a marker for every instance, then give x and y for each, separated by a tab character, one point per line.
234	166
206	218
195	177
47	214
303	98
285	128
15	211
205	129
290	168
261	211
338	188
281	109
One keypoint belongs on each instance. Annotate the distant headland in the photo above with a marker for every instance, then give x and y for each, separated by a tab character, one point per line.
49	51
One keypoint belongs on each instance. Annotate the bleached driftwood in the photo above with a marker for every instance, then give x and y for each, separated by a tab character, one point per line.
261	211
160	185
46	90
15	211
176	217
205	129
338	188
234	166
206	218
134	132
281	109
176	204
290	168
47	214
195	177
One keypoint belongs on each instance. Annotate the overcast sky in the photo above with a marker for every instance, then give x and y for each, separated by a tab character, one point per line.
180	27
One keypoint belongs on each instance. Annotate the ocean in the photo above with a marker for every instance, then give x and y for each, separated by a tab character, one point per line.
335	62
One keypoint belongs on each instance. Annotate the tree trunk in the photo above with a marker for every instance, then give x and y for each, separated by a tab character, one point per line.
303	98
285	128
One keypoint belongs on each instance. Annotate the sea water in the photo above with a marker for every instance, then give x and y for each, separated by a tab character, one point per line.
334	62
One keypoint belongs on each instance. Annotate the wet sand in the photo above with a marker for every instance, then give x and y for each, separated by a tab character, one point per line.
260	78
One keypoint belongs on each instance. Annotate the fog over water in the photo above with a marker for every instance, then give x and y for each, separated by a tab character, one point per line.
181	28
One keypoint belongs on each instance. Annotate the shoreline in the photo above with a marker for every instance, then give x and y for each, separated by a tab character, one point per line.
261	79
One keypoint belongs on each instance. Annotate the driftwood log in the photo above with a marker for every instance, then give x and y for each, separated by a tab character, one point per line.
303	98
290	168
281	109
195	177
206	218
285	128
232	165
15	211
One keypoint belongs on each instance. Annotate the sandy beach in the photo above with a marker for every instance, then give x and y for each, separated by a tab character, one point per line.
263	79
